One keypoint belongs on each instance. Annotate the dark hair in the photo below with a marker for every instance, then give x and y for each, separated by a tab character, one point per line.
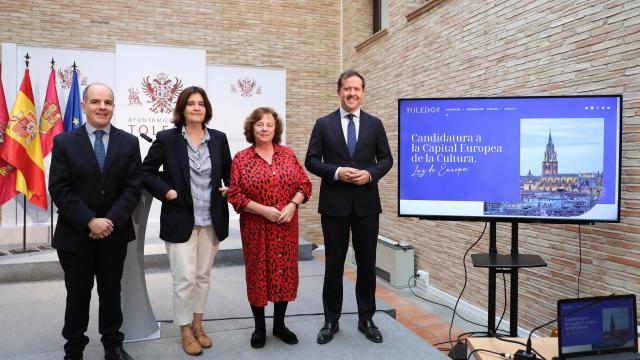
254	117
347	74
181	104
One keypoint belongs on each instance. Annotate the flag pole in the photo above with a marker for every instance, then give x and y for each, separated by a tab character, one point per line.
51	218
24	198
24	224
50	112
24	209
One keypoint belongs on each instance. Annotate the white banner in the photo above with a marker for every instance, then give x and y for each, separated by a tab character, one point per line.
235	91
149	79
93	66
146	80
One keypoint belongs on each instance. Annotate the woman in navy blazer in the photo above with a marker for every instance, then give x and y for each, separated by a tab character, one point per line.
194	217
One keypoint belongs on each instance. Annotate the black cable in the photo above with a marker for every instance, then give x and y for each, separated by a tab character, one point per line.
437	303
485	350
448	342
504	338
464	257
442	343
579	257
271	316
470	333
504	309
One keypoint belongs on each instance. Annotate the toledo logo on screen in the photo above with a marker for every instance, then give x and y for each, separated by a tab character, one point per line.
422	109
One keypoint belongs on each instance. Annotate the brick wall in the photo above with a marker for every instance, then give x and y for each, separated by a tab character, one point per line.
301	36
458	48
506	48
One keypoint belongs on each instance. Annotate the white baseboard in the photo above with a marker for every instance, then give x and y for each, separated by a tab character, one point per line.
469	310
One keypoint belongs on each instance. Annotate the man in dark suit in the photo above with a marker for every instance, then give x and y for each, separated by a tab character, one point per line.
349	150
95	182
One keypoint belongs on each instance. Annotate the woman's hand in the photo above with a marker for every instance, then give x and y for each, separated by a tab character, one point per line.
270	213
223	191
287	213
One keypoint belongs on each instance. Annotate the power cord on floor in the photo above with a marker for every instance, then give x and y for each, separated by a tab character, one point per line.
437	303
503	338
501	354
271	316
460	339
464	264
454	313
504	310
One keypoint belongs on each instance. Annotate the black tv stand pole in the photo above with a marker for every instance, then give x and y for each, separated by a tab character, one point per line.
504	264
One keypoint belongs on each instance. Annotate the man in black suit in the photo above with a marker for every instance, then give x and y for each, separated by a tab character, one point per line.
349	150
95	181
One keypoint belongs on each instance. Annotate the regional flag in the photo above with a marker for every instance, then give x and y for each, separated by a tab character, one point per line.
7	172
51	119
73	112
22	148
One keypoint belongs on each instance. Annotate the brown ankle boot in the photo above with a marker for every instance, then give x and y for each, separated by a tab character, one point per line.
189	342
201	336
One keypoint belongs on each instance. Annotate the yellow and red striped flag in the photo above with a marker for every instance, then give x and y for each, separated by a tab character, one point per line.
51	119
22	147
7	172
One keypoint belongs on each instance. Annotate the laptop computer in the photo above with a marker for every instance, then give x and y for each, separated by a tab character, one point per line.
598	328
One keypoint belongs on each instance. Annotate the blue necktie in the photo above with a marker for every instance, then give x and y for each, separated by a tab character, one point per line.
351	135
98	148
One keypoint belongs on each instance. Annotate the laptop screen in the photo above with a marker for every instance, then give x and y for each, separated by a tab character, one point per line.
597	325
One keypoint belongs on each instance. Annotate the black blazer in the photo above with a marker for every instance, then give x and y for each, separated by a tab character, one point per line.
328	150
81	192
176	216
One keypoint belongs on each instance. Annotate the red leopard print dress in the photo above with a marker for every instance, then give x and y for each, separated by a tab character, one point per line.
270	249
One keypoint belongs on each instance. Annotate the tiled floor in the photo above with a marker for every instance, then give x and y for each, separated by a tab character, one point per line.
428	326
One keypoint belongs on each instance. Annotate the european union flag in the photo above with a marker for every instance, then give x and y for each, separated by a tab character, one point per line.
73	113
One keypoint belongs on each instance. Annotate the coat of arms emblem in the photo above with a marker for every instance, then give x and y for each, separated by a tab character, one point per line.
162	91
134	99
26	126
248	87
50	116
66	77
6	169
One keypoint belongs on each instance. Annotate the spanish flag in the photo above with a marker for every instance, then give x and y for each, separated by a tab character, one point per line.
7	172
51	119
22	147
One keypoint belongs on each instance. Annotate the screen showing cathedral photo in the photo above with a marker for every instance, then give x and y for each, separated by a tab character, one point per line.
548	159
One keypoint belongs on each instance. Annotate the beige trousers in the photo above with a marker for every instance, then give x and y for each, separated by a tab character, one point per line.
191	264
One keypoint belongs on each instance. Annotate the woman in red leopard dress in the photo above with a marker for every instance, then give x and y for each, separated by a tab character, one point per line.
267	186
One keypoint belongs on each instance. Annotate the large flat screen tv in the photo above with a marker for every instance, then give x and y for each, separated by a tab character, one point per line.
525	159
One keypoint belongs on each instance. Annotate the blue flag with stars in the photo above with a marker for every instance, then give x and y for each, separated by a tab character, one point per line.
73	113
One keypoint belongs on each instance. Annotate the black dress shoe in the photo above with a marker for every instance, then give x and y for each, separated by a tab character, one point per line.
258	339
116	353
370	330
326	333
